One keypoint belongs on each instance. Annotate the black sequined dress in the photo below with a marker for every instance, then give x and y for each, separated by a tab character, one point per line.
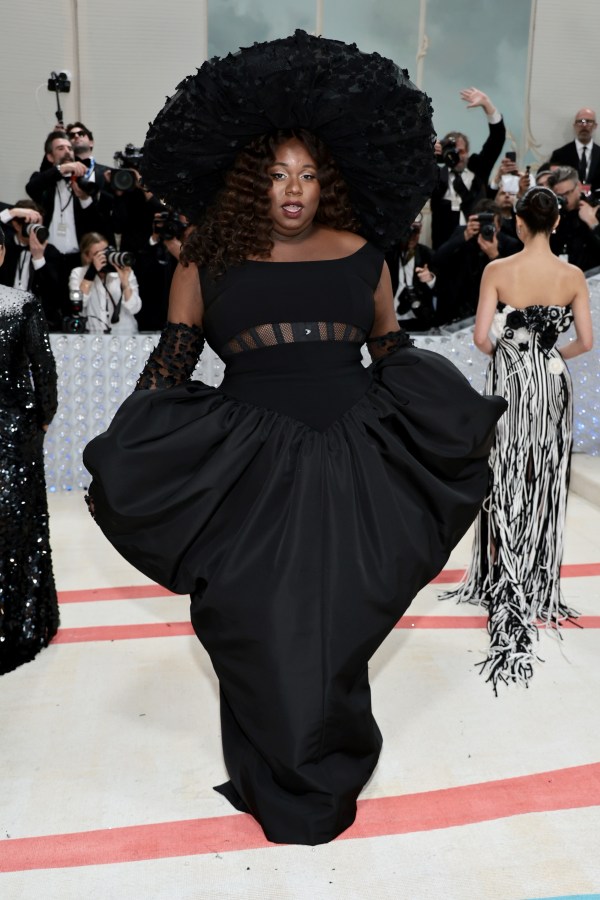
28	604
302	505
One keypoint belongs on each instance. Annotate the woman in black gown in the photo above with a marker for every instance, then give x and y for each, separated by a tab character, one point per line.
28	604
305	502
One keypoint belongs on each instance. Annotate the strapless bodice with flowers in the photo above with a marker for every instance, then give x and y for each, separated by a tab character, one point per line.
537	326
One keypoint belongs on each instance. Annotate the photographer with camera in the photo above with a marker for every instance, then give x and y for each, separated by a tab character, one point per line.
69	211
31	262
577	237
463	177
104	290
133	205
82	142
460	261
413	281
156	265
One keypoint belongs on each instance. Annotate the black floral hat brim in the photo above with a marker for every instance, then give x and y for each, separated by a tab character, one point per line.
375	122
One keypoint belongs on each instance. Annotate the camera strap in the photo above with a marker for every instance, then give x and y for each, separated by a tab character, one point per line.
116	313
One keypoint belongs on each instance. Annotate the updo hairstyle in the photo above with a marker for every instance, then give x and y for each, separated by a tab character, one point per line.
539	209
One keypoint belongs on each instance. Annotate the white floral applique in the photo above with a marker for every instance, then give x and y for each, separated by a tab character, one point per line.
556	366
499	323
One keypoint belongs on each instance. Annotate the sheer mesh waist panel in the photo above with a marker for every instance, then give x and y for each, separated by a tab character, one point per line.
271	334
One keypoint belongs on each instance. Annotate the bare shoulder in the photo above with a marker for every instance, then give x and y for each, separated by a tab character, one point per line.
498	265
495	269
340	242
185	298
186	274
574	273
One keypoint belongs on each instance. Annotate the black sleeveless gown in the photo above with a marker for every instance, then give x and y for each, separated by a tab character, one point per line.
302	505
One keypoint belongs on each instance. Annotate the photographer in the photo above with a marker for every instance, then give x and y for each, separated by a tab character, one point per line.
105	287
69	211
134	206
31	262
82	142
461	260
157	264
577	237
413	281
463	177
506	201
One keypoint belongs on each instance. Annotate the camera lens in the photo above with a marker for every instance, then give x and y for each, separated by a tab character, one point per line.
40	231
123	179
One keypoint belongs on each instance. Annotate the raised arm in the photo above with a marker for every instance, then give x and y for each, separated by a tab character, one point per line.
582	319
174	358
386	335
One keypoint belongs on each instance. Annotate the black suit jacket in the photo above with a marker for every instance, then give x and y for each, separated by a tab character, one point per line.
44	282
424	317
581	243
567	156
41	187
443	219
459	265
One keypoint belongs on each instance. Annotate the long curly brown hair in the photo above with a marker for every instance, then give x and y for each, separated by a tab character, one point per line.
238	226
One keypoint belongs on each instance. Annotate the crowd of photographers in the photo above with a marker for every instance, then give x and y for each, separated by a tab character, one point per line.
95	246
473	218
99	249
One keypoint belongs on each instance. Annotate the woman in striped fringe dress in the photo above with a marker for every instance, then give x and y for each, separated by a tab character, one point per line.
526	301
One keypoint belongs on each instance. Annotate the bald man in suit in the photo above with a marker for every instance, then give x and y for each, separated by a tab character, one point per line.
582	154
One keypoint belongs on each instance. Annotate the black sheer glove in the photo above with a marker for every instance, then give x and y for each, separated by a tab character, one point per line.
384	344
173	359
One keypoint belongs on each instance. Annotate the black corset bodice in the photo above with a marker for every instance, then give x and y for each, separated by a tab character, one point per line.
290	334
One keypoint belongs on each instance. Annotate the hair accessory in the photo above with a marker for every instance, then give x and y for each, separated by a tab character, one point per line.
374	121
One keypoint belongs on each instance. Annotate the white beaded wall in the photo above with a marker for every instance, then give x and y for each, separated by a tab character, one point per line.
97	372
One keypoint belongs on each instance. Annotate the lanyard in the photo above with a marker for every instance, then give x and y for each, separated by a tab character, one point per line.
21	264
63	208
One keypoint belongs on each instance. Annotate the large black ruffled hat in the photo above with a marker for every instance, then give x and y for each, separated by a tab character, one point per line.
374	121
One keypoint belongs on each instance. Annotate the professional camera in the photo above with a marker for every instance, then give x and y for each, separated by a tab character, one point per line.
167	225
60	82
487	226
40	231
449	155
115	258
75	323
592	198
411	301
123	179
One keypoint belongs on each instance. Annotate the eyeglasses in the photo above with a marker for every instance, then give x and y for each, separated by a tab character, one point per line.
566	193
73	134
585	121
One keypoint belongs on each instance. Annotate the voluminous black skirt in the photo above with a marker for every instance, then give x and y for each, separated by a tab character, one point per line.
301	549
